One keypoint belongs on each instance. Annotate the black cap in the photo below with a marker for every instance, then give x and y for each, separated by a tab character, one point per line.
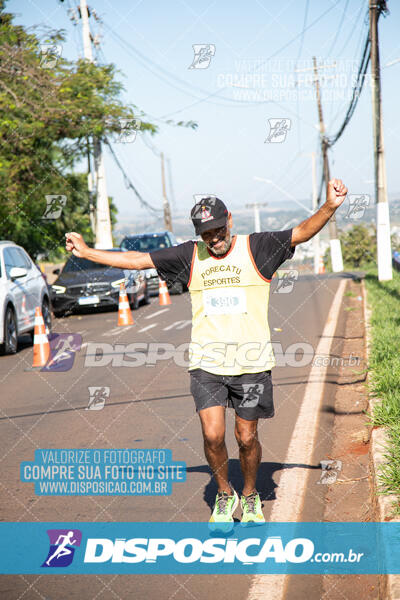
209	213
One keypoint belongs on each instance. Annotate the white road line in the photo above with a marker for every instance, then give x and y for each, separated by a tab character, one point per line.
293	482
158	312
148	327
178	325
116	330
84	345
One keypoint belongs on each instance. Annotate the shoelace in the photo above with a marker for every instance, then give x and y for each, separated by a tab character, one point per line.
251	502
222	501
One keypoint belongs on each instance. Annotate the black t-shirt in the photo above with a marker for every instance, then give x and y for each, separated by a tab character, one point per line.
269	249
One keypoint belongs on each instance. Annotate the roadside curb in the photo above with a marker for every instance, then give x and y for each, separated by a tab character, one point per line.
389	584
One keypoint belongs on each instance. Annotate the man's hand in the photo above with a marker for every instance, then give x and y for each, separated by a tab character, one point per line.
336	193
335	196
121	260
74	243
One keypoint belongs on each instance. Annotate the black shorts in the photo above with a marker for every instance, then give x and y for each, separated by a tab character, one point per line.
250	394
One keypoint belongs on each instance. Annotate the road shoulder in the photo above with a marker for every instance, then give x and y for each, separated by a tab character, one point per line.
352	496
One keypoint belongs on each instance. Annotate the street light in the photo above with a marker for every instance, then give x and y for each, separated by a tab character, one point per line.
288	195
256	206
278	187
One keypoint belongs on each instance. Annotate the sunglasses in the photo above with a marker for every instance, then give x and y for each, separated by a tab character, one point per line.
220	232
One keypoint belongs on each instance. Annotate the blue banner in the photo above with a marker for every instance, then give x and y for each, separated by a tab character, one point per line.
192	548
103	472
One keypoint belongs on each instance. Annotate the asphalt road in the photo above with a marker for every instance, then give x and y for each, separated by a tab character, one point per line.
150	406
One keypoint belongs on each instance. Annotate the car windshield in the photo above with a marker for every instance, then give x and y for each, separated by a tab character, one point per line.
146	243
82	264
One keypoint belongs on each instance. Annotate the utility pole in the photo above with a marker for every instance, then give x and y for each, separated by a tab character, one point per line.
382	206
92	213
316	245
316	237
103	221
171	186
256	207
336	250
166	206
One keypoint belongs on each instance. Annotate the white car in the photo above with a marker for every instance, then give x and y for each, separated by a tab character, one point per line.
22	289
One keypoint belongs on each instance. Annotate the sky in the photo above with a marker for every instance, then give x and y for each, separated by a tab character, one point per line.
259	70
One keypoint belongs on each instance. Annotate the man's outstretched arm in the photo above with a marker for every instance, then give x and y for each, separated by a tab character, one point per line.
307	229
123	260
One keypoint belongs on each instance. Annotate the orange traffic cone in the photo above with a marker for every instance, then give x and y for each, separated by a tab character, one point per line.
124	310
163	294
41	346
321	267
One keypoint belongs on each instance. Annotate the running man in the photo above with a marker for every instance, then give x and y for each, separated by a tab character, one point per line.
231	358
62	549
65	347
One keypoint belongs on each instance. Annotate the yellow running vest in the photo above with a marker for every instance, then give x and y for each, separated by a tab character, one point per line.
230	332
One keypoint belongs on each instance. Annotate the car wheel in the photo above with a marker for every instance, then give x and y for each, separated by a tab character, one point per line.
46	315
176	288
10	332
134	302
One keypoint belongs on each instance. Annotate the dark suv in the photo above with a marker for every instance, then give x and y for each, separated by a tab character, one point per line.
147	242
83	283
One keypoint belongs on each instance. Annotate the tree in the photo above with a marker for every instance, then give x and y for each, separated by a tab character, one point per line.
49	115
358	247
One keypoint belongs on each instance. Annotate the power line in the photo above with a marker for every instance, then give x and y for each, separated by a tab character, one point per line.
151	65
351	33
100	54
358	86
339	28
363	29
150	146
260	65
73	17
168	78
298	56
159	154
362	71
164	74
128	182
303	30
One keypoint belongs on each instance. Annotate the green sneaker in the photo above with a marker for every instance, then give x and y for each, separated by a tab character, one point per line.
252	511
222	515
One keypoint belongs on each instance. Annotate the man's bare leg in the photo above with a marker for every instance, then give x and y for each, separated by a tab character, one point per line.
213	427
249	452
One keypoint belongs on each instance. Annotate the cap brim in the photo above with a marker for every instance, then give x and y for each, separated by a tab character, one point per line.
212	224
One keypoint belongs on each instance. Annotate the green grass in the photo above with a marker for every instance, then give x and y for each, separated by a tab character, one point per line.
384	366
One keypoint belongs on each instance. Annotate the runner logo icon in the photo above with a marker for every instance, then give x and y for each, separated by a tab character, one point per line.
203	54
98	396
251	396
278	129
63	347
61	551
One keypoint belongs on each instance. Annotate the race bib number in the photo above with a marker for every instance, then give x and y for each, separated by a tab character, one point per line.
224	301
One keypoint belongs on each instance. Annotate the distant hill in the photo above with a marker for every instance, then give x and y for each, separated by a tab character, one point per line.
273	218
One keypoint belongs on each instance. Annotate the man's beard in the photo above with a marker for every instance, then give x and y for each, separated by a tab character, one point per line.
223	249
